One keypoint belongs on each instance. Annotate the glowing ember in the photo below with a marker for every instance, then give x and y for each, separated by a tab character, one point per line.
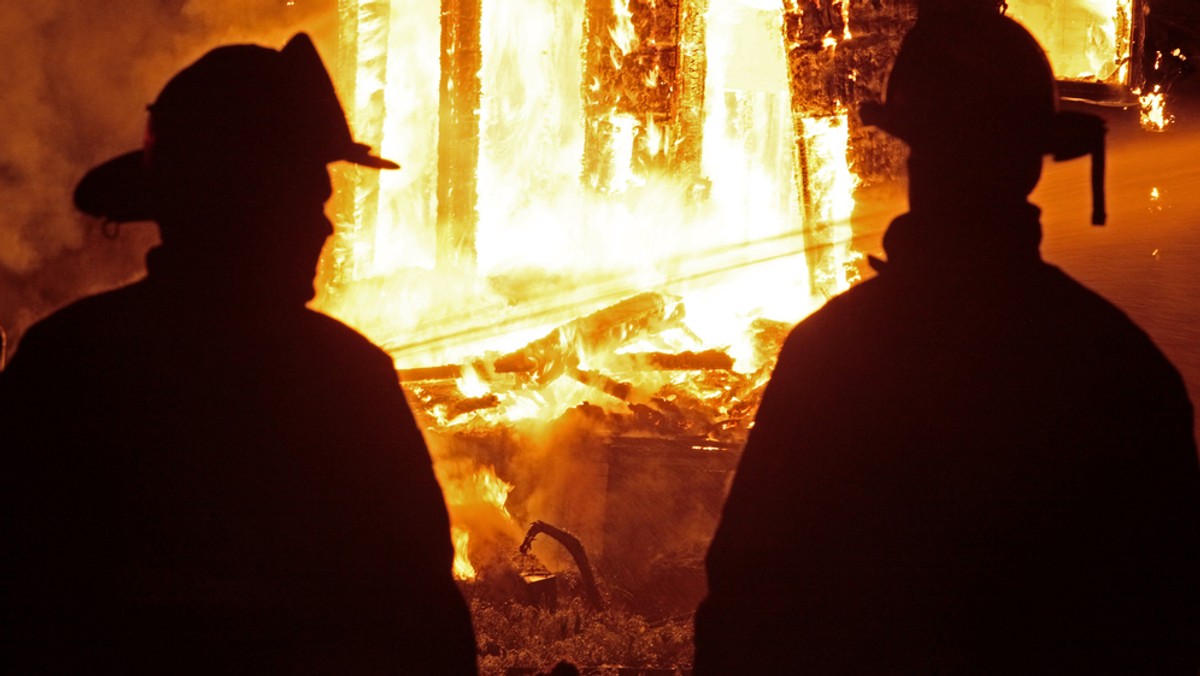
1153	105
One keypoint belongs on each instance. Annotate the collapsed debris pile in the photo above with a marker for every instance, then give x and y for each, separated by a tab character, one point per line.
687	394
632	476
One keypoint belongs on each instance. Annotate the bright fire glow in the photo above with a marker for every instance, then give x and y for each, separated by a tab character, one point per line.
728	244
1087	40
481	487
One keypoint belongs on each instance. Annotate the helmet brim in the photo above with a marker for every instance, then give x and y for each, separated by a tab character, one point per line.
299	120
117	190
120	190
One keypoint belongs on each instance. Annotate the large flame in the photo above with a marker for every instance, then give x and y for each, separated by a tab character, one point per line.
470	493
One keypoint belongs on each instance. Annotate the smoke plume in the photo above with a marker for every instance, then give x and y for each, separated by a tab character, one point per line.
75	81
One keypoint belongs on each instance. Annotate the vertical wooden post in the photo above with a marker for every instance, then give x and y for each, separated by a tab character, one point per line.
658	83
598	92
817	88
692	70
458	134
831	75
362	46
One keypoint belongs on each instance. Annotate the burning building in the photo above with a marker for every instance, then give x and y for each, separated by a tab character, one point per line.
609	216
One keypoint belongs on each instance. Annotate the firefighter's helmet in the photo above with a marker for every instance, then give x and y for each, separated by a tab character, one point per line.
237	106
972	84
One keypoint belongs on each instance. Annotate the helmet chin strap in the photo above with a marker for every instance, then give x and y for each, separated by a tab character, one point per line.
1099	213
1075	135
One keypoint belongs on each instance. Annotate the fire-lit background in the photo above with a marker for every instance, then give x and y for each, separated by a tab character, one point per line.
609	214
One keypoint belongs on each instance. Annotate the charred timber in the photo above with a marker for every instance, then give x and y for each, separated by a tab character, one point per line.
472	404
414	375
598	96
708	360
647	69
606	384
832	71
877	28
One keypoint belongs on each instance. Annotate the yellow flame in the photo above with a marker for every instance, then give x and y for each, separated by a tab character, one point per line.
534	217
492	489
833	181
654	137
463	570
471	384
624	35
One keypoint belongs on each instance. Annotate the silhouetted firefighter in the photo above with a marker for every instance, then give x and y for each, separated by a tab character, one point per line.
970	464
199	475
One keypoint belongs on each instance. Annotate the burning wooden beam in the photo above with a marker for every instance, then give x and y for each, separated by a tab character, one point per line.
599	97
707	360
458	133
643	90
812	31
687	130
362	45
549	357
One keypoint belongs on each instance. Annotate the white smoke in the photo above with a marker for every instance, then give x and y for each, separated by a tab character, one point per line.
75	77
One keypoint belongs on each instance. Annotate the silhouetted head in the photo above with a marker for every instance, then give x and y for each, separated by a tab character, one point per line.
930	6
233	167
974	97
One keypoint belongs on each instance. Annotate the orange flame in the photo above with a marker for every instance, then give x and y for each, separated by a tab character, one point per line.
463	570
1154	115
